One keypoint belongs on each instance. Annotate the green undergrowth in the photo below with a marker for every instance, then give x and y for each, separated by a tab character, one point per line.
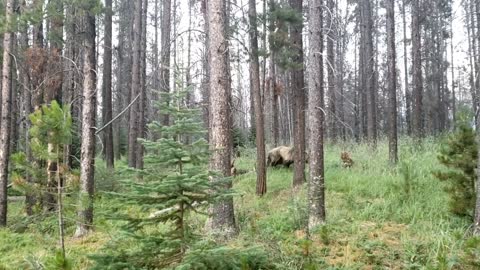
379	216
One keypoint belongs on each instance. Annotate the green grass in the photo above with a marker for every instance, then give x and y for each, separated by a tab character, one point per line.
377	218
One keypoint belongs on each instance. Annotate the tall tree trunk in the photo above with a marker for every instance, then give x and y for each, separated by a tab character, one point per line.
15	110
472	57
408	99
69	87
27	108
477	80
124	73
143	87
368	70
255	79
331	28
357	95
316	106
298	87
392	82
363	90
223	221
133	133
454	102
87	160
273	77
188	75
341	43
165	59
6	105
107	87
206	71
38	28
417	71
476	220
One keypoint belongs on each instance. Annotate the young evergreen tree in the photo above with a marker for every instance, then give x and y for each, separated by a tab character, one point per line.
459	154
175	183
51	130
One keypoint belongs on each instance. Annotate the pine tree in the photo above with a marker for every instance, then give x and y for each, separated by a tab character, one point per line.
459	155
51	130
175	183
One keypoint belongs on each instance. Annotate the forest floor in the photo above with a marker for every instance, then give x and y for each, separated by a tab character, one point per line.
378	217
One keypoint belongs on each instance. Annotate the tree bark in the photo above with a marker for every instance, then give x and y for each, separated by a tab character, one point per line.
87	160
392	82
255	80
368	70
417	71
165	59
476	219
69	88
27	108
133	132
6	105
273	77
454	103
143	87
316	109
408	99
331	67
298	87
107	87
124	74
223	221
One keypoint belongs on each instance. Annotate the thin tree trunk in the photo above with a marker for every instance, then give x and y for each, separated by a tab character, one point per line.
476	220
408	99
368	70
357	95
87	160
223	220
472	57
316	108
273	77
255	72
27	108
188	75
133	133
14	111
61	226
331	67
298	87
165	59
38	28
107	87
206	70
341	42
392	82
6	105
143	87
417	71
70	65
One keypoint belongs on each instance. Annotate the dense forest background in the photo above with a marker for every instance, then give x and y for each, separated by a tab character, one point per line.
156	112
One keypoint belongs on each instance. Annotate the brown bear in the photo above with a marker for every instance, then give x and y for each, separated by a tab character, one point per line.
347	162
282	155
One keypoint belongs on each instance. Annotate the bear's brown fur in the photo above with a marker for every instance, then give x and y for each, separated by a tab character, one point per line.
282	155
347	161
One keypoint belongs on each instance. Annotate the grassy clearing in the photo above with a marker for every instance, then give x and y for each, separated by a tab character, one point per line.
379	217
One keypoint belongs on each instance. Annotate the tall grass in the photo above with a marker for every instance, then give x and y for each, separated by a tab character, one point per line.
379	216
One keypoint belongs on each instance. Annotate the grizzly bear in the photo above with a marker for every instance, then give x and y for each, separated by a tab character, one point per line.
282	155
